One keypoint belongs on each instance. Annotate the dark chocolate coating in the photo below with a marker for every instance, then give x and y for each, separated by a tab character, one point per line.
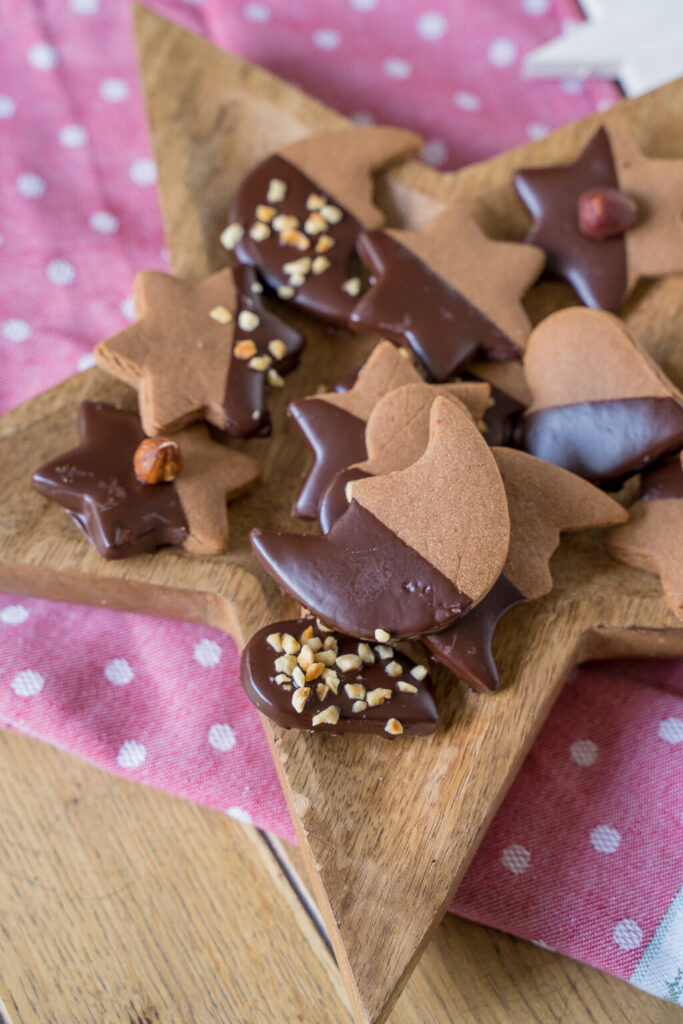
465	648
605	441
245	388
322	294
334	503
595	267
502	417
97	486
415	711
410	304
361	577
665	481
337	439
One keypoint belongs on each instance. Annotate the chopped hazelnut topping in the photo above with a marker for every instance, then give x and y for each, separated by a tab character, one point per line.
299	698
256	287
285	222
382	637
405	687
322	627
328	716
221	314
348	662
332	679
315	224
320	265
352	286
314	671
365	654
298	677
287	687
265	213
231	235
358	706
275	379
278	350
393	669
259	231
331	643
302	265
406	353
419	672
324	243
315	201
295	239
282	678
248	321
290	643
354	691
245	349
285	291
306	635
306	657
331	213
286	663
315	643
383	652
321	691
259	363
277	190
393	727
326	657
378	696
297	280
275	641
348	491
256	414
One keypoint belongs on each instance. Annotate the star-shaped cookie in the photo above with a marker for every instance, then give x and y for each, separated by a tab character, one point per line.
97	485
202	350
448	291
603	270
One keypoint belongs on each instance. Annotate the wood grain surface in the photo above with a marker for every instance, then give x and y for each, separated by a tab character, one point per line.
386	830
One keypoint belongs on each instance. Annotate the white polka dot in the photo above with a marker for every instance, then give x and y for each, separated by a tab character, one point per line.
30	185
13	614
222	737
16	330
537	130
118	672
72	136
42	56
502	53
61	272
131	754
605	839
84	6
362	117
397	67
572	86
7	106
431	26
363	5
104	222
326	38
127	308
434	152
114	90
536	7
256	12
466	100
239	814
143	171
207	653
85	362
671	730
627	934
516	859
584	752
28	683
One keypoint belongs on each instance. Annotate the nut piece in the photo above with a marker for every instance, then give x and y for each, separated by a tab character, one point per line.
259	231
382	637
285	222
260	363
298	677
365	654
321	691
300	266
299	698
248	321
306	657
606	212
324	243
315	224
278	350
326	657
290	643
285	291
393	727
331	213
352	286
157	460
285	663
256	287
275	641
296	239
393	669
314	671
277	190
315	201
265	213
231	235
274	378
221	314
245	349
283	679
315	643
354	691
320	265
329	716
359	705
378	696
348	662
383	652
419	672
405	687
331	679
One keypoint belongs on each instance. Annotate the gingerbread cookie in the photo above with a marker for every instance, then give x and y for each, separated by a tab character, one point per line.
510	396
202	350
601	407
302	676
415	549
334	423
608	219
448	291
131	494
652	539
297	215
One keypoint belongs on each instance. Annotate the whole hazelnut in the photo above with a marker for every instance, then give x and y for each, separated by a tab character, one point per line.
606	212
157	460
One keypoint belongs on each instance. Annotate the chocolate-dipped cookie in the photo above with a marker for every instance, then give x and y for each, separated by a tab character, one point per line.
601	407
297	215
415	549
608	219
130	494
202	350
510	396
302	676
652	539
334	423
448	291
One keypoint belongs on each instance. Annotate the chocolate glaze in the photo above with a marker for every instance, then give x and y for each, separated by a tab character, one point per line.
605	441
502	417
348	379
596	268
334	503
337	439
415	711
97	486
411	304
322	294
465	648
361	577
244	402
664	481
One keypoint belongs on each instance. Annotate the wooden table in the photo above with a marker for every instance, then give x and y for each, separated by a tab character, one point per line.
122	905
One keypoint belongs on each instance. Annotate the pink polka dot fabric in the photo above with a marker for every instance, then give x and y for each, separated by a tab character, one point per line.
586	854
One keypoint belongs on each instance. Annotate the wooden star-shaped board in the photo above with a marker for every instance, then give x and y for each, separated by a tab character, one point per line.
384	861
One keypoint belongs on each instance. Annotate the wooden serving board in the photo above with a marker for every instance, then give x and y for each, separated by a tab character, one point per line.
387	830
